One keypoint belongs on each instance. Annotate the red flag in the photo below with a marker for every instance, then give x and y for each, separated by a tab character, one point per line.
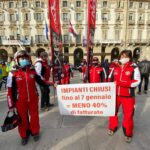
71	29
56	38
91	30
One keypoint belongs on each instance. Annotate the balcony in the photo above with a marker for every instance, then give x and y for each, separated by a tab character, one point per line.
1	23
13	23
138	41
105	22
148	22
118	22
131	22
26	23
140	22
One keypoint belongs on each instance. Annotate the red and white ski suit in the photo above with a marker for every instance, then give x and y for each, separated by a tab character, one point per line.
97	74
126	78
66	72
22	94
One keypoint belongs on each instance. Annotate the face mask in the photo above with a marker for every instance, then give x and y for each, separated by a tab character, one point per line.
124	60
95	64
24	62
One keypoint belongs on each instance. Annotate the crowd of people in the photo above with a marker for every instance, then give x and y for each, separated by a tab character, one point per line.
23	75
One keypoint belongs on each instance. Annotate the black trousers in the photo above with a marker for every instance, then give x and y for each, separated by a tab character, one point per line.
144	77
45	98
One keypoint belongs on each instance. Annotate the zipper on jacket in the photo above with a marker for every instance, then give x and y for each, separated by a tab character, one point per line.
27	86
120	80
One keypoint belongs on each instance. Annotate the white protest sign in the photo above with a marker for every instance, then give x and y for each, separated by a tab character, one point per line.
94	99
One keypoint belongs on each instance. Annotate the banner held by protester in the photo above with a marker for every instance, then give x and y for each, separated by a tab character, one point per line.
96	99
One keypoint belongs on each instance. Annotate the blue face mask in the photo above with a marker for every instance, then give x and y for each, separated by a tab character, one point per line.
24	62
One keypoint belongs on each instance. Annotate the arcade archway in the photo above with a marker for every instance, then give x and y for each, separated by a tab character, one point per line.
114	53
78	56
3	55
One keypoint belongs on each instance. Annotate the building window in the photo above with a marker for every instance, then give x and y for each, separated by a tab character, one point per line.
96	16
139	35
117	34
65	16
78	39
104	34
105	16
140	5
131	16
26	17
39	38
65	4
130	4
130	33
11	4
12	17
104	4
38	4
11	37
141	17
1	5
148	34
39	17
42	5
66	39
2	17
118	16
118	4
24	4
148	15
78	17
149	5
78	3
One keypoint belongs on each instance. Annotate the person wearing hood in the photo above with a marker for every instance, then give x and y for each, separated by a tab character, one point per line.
126	75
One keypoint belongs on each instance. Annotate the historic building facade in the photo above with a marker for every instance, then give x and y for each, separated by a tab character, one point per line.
120	24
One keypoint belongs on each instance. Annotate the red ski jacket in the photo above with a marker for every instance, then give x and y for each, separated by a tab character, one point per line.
126	78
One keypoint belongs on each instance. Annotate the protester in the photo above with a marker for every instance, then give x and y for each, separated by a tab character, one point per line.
144	67
3	74
96	72
66	73
113	64
127	77
105	65
10	66
22	95
82	69
43	69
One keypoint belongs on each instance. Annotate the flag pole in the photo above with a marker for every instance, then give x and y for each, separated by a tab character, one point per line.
51	47
87	46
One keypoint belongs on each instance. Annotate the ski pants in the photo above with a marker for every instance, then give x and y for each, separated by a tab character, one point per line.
128	112
26	109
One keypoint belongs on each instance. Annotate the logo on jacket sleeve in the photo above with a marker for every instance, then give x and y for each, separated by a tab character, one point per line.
127	73
31	75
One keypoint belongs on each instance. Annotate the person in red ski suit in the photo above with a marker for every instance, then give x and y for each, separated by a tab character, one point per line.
22	95
127	77
43	69
97	73
66	73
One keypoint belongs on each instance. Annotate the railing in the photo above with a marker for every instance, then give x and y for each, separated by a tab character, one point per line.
138	41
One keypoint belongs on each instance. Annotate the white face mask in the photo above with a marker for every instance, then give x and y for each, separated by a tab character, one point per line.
124	60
